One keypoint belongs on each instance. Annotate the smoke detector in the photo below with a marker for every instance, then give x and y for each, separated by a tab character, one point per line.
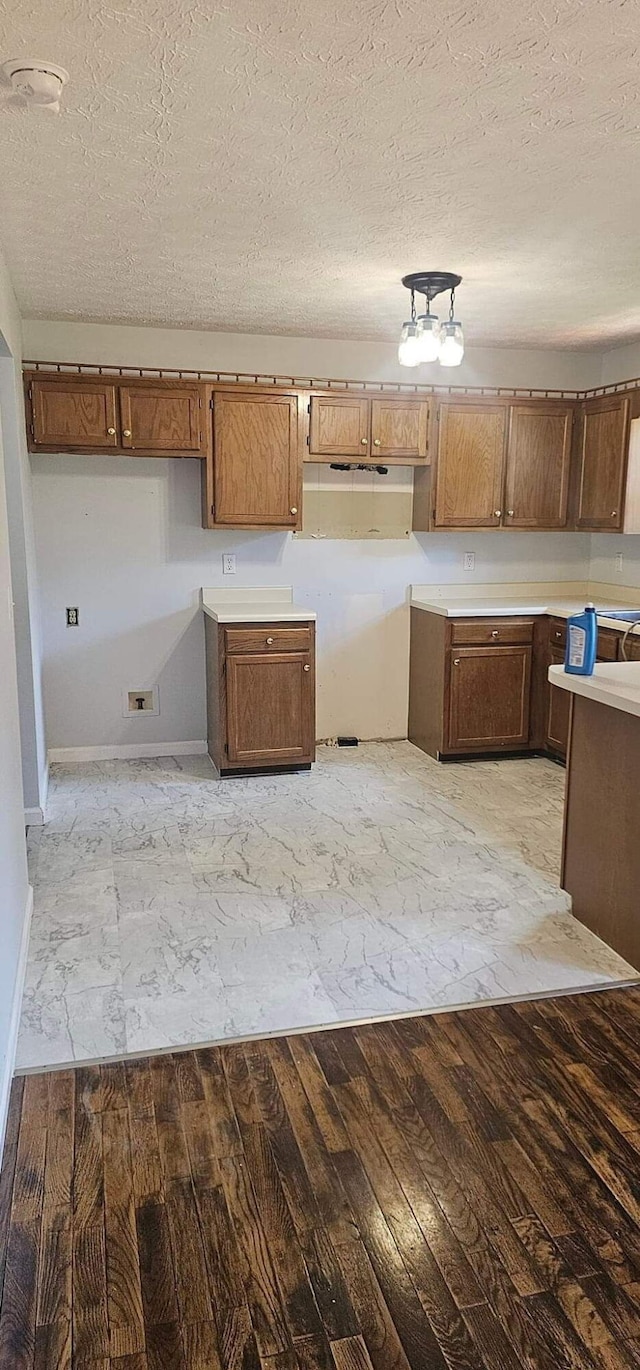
35	84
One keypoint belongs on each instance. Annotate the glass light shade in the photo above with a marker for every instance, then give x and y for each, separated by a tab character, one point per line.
408	351
451	343
428	337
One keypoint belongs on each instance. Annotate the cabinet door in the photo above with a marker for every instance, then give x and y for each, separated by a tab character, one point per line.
559	709
162	419
603	461
399	430
470	466
489	697
256	467
339	426
72	413
538	464
270	708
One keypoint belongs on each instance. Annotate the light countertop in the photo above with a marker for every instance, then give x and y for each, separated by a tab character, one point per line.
270	604
614	683
532	600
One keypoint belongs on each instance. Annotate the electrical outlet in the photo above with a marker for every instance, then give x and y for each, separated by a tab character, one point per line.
73	617
619	563
228	563
469	561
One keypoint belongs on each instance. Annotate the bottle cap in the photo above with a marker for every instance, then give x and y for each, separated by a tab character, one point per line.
589	605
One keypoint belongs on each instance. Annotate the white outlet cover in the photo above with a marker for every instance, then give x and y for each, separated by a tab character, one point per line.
141	713
228	563
469	561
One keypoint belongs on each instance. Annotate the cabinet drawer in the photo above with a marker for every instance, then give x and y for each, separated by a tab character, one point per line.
268	638
558	633
491	632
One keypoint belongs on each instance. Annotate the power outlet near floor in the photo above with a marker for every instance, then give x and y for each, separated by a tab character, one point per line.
469	561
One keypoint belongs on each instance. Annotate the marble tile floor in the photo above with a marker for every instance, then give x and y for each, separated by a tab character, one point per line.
173	908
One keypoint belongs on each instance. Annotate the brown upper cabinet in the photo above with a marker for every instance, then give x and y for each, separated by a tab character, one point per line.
254	479
604	443
68	412
389	429
157	418
470	465
142	418
538	465
502	465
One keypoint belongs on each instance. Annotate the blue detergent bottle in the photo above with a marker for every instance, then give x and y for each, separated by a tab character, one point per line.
582	640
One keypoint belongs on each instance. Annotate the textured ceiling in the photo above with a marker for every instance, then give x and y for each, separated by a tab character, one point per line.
275	167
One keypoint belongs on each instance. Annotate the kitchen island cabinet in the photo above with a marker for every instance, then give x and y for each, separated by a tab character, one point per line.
601	852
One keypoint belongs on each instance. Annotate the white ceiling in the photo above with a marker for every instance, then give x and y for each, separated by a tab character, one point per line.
275	166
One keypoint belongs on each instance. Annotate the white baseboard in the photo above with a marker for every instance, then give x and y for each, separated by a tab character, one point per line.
44	789
34	818
14	1021
128	751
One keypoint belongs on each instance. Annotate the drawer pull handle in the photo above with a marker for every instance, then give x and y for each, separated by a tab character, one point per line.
558	632
456	660
126	432
306	668
293	509
498	513
511	513
111	432
614	513
364	441
269	642
376	442
495	633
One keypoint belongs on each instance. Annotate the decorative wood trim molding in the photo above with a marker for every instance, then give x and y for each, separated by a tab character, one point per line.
246	378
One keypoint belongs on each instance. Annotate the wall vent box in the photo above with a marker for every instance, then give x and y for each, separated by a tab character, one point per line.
136	702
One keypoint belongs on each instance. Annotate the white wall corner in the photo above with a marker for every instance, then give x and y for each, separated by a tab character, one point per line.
127	751
14	1023
34	818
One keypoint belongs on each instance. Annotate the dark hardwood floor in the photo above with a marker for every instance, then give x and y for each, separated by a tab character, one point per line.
453	1191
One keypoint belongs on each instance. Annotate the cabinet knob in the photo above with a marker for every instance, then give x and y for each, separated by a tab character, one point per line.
364	441
614	513
511	513
498	513
111	432
306	668
456	660
376	442
269	642
496	632
126	432
558	632
293	509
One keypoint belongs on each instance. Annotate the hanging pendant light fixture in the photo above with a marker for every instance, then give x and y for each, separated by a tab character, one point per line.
423	339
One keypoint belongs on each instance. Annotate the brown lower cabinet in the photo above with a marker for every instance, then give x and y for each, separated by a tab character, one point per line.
489	697
480	685
558	710
260	695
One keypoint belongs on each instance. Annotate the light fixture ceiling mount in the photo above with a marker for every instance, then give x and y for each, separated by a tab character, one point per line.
423	338
431	283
